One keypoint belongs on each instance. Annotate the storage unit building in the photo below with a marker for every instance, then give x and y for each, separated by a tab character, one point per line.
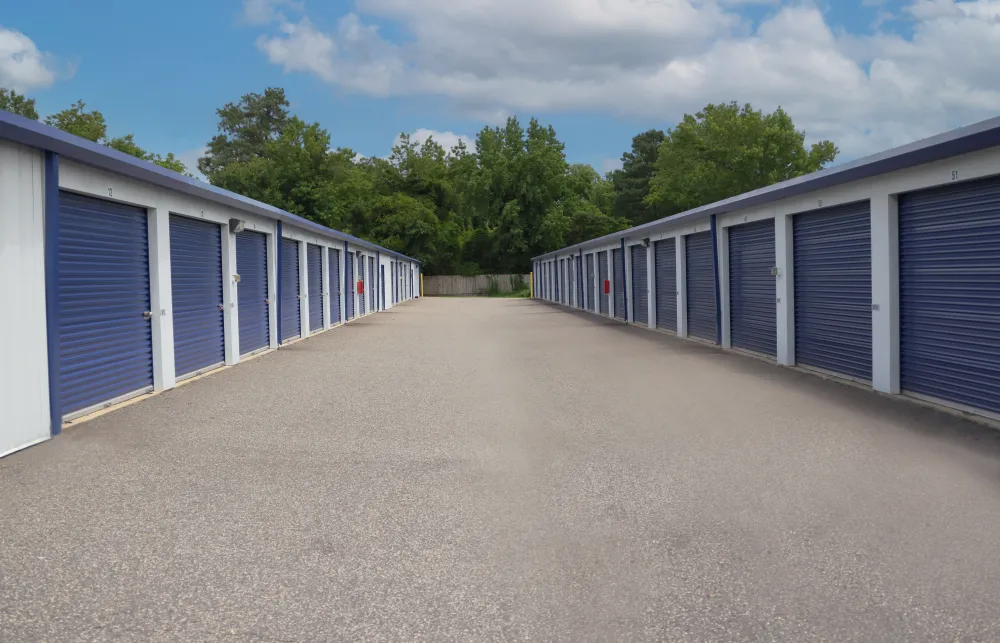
640	292
884	270
753	309
127	277
833	290
665	277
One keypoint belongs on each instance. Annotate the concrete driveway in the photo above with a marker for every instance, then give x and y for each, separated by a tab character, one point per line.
480	470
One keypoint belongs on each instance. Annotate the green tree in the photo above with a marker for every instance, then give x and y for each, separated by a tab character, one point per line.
631	182
246	129
11	101
78	121
725	150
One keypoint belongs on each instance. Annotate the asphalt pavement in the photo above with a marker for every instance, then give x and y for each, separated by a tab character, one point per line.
505	470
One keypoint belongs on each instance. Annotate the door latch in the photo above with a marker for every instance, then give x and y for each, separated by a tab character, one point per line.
222	307
147	315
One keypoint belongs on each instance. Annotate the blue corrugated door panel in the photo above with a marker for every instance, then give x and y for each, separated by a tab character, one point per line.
555	281
362	296
291	316
602	276
254	314
640	285
373	282
314	259
616	258
833	289
196	286
753	309
949	287
381	287
665	266
349	298
105	341
590	282
334	281
699	266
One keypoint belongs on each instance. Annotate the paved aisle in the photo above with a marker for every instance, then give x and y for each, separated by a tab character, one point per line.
463	469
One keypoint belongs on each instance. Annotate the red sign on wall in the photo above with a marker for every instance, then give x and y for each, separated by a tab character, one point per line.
607	286
361	287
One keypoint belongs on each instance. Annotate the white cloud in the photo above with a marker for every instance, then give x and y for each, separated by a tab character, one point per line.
260	12
661	58
190	159
22	66
447	140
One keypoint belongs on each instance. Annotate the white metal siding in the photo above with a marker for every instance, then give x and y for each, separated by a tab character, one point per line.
24	389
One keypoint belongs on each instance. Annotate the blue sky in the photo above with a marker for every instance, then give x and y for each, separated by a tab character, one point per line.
864	73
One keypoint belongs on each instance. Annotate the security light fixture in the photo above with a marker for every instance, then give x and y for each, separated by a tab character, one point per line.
237	225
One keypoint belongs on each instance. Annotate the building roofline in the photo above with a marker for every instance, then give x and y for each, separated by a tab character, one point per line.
963	140
35	134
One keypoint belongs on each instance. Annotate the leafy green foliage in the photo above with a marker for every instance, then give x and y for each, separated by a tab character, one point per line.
76	120
725	150
631	182
11	101
89	124
484	210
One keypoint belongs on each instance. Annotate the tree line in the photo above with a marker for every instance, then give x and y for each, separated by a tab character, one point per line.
482	210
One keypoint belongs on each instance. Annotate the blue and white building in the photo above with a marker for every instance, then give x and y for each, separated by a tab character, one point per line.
119	278
884	271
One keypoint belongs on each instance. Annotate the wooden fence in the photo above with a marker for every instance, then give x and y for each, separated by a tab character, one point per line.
458	285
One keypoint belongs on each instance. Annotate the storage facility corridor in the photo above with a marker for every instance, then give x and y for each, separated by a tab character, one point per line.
503	469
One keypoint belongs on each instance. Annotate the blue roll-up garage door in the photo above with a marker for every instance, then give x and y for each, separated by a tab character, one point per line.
833	290
557	275
753	309
640	286
949	293
196	285
105	342
370	284
334	282
314	259
362	296
619	272
251	264
602	276
291	314
590	282
349	295
665	266
699	266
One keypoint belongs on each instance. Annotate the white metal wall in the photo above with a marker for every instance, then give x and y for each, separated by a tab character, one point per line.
24	385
